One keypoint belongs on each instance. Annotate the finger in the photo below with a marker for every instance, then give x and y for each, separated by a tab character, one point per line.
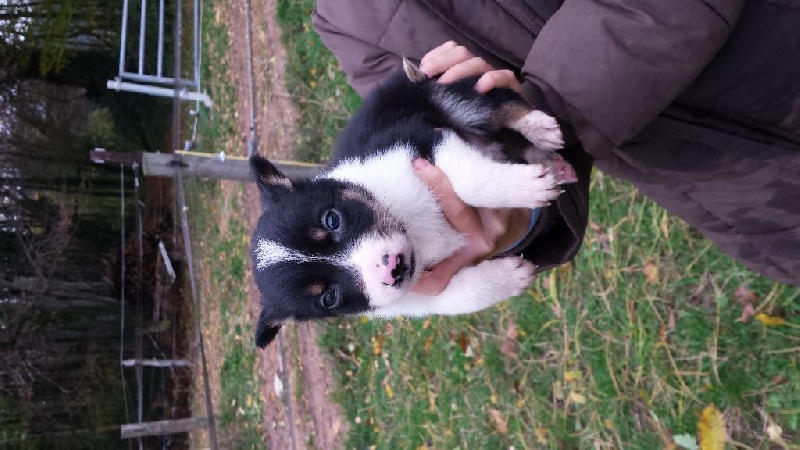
497	79
461	216
470	67
437	61
435	280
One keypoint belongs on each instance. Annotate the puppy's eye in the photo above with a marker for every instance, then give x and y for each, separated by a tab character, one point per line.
330	299
332	220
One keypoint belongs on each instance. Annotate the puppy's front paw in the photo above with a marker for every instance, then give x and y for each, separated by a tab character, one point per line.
540	187
512	274
542	130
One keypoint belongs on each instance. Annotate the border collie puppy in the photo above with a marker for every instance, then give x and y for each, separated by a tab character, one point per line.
355	239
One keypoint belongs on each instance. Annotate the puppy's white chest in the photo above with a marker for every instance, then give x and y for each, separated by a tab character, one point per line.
390	178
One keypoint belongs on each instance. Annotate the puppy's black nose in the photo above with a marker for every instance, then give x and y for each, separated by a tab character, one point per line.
394	269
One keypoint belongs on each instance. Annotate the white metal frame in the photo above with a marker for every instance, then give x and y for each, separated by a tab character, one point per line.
159	84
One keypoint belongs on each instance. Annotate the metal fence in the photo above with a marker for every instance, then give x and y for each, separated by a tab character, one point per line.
159	83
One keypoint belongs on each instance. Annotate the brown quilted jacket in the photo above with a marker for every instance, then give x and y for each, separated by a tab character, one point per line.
695	102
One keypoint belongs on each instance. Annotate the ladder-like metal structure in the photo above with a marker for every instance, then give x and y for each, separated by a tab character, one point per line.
160	84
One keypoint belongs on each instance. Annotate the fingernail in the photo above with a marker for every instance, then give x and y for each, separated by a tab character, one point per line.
421	164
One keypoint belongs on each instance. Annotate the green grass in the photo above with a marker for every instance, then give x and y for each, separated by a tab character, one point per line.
620	349
595	360
221	249
324	99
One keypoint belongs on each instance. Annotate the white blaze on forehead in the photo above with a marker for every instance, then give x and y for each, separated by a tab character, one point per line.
269	252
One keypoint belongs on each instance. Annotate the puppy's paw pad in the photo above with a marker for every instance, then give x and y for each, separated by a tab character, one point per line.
542	130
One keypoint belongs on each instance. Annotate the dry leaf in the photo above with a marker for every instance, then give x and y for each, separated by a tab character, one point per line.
745	295
462	342
377	344
769	321
541	434
428	343
747	312
651	272
511	330
571	375
774	432
577	398
508	347
498	421
388	389
671	322
686	441
711	429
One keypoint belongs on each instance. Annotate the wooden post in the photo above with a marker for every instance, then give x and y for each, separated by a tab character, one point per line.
206	165
162	427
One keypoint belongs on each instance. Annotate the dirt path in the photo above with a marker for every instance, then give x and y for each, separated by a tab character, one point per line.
315	421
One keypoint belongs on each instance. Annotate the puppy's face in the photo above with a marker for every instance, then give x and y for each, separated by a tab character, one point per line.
324	248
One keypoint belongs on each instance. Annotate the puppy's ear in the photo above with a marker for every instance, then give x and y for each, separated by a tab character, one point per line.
266	330
412	71
268	178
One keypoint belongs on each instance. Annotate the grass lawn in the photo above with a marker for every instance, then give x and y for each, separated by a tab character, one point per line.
623	348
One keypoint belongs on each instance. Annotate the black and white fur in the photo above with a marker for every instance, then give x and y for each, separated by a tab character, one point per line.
355	239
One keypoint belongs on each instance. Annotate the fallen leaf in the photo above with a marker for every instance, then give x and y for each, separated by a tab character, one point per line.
498	421
577	398
747	312
711	429
428	343
651	273
686	441
388	389
431	402
571	375
745	295
541	434
508	347
511	330
377	344
769	321
774	432
462	342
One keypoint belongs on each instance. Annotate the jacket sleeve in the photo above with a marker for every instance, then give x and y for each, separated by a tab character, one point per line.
363	63
609	67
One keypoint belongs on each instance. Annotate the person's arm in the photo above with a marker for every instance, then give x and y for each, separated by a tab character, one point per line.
364	64
609	67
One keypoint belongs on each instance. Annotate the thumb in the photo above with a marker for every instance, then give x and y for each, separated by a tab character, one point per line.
460	215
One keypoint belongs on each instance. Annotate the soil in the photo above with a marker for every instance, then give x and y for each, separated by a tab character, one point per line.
302	415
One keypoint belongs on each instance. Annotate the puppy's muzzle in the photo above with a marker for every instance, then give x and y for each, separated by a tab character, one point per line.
396	268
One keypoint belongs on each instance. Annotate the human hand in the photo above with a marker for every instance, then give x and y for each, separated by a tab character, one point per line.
487	230
454	62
